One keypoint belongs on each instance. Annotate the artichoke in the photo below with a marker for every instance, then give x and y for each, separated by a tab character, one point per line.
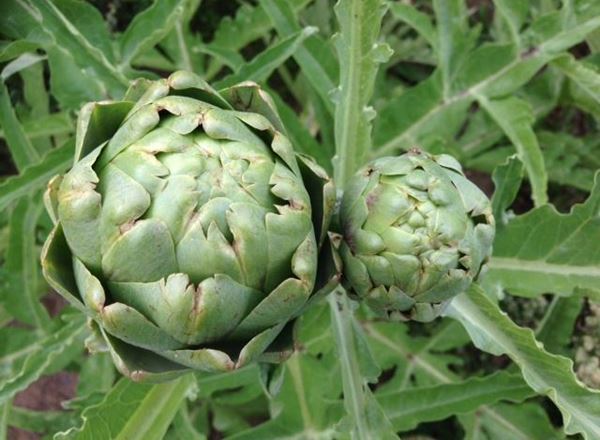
415	232
188	229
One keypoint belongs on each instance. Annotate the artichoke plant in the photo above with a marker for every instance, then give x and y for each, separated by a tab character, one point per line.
188	229
416	232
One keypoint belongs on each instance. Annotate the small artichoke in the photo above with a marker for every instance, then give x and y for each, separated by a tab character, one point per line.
188	229
415	233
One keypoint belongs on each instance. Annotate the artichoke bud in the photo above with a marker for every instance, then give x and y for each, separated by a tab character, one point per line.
185	229
416	233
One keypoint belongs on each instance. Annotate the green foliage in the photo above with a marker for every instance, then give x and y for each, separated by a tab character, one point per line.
510	88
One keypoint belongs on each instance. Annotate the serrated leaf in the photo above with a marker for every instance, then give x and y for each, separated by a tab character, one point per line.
492	331
209	383
97	374
133	411
44	354
481	133
306	405
178	44
409	355
556	328
50	125
585	78
88	20
13	49
5	411
507	181
454	39
503	421
513	14
37	99
21	63
39	421
249	24
420	112
546	251
21	149
585	75
515	117
571	160
36	176
365	417
21	299
314	57
572	34
417	361
313	330
18	344
71	86
433	108
407	408
183	427
417	20
263	64
148	28
50	27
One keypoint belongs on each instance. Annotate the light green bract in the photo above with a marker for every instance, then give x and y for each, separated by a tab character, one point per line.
188	229
415	232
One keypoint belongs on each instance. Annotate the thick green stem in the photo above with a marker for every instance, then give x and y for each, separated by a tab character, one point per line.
353	382
359	55
158	409
347	117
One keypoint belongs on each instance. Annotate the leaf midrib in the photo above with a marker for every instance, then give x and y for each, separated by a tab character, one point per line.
542	266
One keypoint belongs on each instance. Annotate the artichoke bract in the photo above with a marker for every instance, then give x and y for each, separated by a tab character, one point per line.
416	233
188	229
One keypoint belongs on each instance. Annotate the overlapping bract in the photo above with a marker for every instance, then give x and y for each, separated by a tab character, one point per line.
188	228
416	233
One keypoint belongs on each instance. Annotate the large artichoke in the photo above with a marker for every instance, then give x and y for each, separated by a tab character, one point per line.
415	232
188	229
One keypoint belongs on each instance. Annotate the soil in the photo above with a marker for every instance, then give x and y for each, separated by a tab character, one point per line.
45	394
48	392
